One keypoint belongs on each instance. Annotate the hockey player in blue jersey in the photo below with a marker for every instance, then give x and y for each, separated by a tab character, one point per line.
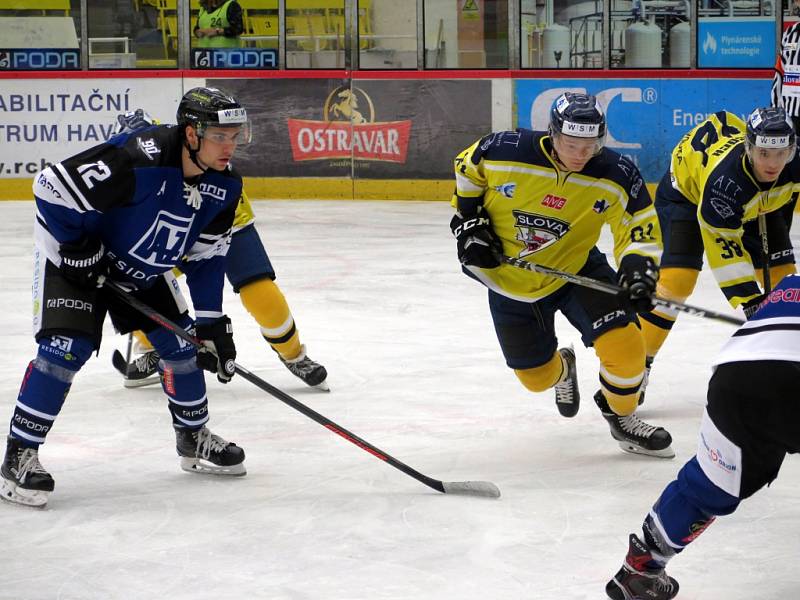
131	209
746	432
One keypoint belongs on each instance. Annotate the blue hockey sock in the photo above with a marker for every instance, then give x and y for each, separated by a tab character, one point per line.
182	380
687	506
45	386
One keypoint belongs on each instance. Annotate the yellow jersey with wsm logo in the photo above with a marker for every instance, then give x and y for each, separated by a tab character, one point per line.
549	216
709	168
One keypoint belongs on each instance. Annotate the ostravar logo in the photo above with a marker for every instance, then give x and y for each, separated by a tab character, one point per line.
349	131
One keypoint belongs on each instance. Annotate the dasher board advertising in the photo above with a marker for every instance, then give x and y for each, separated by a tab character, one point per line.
372	129
646	117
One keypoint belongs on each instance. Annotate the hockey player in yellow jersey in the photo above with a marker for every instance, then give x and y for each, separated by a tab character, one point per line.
723	174
544	197
252	276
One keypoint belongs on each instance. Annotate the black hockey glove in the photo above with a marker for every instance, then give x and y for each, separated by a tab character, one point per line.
133	121
637	276
751	306
478	244
82	262
219	353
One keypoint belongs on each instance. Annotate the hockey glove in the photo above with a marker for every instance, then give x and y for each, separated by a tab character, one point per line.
751	306
637	276
82	262
478	244
219	352
133	121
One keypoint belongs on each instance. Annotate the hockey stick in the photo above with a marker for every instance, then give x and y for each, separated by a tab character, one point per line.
762	232
610	288
128	353
464	488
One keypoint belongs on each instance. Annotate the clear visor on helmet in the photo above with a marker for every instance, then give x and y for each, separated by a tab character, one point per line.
239	133
581	136
775	147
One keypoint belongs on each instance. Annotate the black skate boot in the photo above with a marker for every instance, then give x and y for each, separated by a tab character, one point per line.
312	373
141	371
648	364
203	452
636	581
568	396
633	434
24	479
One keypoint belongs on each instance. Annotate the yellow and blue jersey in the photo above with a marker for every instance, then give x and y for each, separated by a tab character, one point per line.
709	168
549	216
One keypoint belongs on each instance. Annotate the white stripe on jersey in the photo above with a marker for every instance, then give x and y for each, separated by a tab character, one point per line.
79	197
768	341
48	187
208	246
738	270
45	242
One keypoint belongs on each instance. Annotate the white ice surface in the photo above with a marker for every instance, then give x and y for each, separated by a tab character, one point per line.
415	369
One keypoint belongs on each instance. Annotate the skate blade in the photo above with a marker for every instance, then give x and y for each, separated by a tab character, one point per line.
16	495
322	386
134	383
667	452
198	465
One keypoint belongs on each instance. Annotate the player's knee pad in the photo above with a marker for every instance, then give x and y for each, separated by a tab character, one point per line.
541	378
621	353
169	346
686	507
59	353
677	283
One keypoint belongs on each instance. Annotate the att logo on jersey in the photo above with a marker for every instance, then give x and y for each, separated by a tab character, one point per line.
507	189
164	242
538	232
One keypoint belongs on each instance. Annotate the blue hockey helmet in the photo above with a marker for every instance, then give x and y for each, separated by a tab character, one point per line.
770	128
578	115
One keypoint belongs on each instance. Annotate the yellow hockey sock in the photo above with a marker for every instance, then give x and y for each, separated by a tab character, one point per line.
776	273
541	378
621	354
675	283
264	300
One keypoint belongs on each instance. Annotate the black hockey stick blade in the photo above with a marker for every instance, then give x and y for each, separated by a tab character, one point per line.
610	288
119	362
464	488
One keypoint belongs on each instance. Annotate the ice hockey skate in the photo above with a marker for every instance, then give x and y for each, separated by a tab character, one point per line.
568	395
633	434
635	581
141	371
25	480
312	373
204	452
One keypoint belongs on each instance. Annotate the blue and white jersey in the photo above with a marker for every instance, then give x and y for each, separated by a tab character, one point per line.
130	193
773	333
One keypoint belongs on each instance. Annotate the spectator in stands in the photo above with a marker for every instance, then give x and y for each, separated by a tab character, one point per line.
219	24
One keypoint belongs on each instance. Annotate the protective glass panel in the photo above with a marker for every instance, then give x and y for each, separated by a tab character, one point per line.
387	34
556	34
466	34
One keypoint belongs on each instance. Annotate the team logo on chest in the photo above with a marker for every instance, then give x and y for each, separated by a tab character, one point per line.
538	232
164	243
